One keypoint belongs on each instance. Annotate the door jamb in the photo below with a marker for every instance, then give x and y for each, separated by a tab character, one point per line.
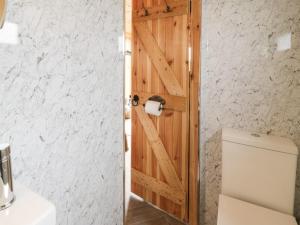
194	112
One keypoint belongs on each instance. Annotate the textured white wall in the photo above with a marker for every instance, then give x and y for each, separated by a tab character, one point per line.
246	82
61	105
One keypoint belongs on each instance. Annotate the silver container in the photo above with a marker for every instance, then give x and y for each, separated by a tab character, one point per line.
6	183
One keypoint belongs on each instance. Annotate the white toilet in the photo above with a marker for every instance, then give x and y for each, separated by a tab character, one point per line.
258	179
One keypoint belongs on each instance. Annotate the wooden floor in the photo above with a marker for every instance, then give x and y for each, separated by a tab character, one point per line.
141	213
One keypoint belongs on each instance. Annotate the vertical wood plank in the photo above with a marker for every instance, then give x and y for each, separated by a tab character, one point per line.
155	89
148	89
184	48
194	113
161	90
134	125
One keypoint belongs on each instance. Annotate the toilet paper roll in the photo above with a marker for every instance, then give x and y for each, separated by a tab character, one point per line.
153	108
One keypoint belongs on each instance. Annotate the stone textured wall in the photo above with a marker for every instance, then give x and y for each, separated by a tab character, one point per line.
61	103
250	80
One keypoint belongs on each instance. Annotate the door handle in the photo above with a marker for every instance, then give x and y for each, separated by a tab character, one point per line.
135	100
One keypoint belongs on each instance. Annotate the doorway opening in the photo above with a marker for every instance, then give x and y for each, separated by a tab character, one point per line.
162	56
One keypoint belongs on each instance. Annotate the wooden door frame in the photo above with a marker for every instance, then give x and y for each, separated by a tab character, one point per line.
194	164
194	97
2	12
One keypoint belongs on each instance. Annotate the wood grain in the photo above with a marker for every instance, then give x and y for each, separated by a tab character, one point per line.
194	114
177	8
157	186
159	149
158	59
176	103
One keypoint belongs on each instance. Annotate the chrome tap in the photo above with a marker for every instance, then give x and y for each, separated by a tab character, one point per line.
6	183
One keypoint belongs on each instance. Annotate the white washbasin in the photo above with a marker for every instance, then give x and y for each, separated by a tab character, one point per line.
28	209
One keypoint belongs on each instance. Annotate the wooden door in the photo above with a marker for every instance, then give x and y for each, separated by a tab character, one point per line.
160	66
2	12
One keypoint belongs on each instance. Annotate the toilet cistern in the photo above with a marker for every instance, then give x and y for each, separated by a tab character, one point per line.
258	179
260	169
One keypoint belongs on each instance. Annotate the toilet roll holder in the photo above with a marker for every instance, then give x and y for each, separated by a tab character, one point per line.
159	99
136	99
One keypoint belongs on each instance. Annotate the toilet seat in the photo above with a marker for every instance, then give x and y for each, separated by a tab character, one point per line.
236	212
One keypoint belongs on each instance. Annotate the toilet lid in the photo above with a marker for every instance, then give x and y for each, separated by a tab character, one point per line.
236	212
